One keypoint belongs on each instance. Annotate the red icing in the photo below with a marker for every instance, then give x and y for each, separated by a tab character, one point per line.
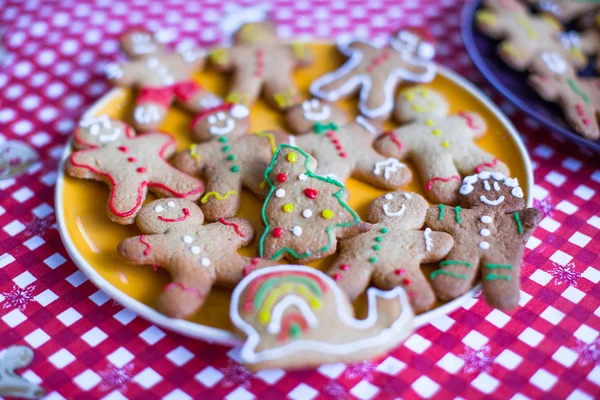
162	96
395	139
335	141
310	193
148	247
470	119
406	281
235	226
124	149
343	154
286	322
183	288
186	213
432	180
400	271
141	170
186	90
282	177
421	32
277	232
131	159
225	107
128	132
260	63
249	268
490	164
337	277
344	267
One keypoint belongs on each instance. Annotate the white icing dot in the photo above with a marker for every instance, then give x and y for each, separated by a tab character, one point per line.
517	192
171	204
195	250
486	219
307	213
407	196
239	111
280	193
297	231
158	208
205	262
484	232
187	239
484	245
389	196
302	177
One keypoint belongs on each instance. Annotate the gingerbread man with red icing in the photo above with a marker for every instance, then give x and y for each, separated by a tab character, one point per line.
109	151
160	77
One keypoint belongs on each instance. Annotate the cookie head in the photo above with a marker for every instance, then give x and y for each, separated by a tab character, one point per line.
303	117
100	131
139	44
404	209
415	41
163	215
256	32
420	103
492	189
223	120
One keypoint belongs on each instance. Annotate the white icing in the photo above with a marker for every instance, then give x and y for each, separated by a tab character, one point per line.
517	192
221	130
209	100
484	245
274	326
302	177
485	232
486	185
158	208
280	193
195	250
467	186
389	196
96	124
407	196
390	165
307	213
486	219
171	204
511	182
187	239
428	239
554	62
496	187
249	355
398	213
297	230
212	119
489	202
366	124
114	71
239	111
147	113
311	112
162	71
142	43
205	262
292	140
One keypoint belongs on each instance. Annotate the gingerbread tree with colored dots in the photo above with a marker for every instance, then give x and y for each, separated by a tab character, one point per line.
305	214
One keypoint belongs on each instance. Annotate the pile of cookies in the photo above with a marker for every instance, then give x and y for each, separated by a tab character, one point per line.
538	43
295	316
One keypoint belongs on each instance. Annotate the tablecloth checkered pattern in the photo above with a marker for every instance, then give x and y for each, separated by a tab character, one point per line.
87	346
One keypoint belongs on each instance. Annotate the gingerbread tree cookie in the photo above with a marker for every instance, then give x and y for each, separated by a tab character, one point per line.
196	256
524	35
343	148
565	10
160	77
228	158
304	213
375	72
391	253
490	229
11	384
261	61
441	146
555	80
110	152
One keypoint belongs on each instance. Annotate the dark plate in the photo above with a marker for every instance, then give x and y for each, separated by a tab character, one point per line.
512	84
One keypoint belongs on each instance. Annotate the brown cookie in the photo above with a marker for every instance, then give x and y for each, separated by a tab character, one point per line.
441	146
524	35
260	61
110	152
343	149
555	80
375	72
296	317
565	10
196	256
490	229
391	253
160	77
228	158
304	213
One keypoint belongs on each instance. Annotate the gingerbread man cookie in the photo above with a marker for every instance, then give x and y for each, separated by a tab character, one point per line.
441	146
490	230
296	317
343	148
304	213
228	158
524	36
555	80
375	72
261	61
160	77
110	152
565	10
391	253
196	256
11	384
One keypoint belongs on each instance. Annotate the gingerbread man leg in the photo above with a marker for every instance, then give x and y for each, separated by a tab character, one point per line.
332	87
280	91
187	292
245	89
501	280
229	277
222	196
385	173
456	274
194	97
439	176
409	276
168	181
151	107
478	160
351	272
582	116
125	200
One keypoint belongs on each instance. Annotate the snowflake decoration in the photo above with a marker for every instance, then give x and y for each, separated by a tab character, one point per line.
588	352
235	375
477	360
545	205
335	391
362	370
39	227
116	378
18	297
565	274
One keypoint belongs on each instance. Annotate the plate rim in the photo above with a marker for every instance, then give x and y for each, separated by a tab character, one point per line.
216	335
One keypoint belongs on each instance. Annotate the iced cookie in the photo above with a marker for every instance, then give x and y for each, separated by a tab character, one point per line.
490	229
441	146
344	148
565	10
295	317
11	384
109	151
375	72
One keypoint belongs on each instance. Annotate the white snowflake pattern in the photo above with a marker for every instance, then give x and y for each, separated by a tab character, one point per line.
235	375
588	352
363	370
116	378
545	205
18	297
39	227
565	274
477	360
335	391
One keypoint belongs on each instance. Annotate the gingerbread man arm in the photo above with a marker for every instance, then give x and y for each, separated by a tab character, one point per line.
223	192
190	160
385	173
122	74
187	291
352	270
436	217
302	54
545	86
281	91
165	180
528	220
390	144
222	58
142	250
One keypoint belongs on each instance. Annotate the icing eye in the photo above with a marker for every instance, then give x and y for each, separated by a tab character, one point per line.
94	130
306	105
212	119
239	111
315	103
389	196
426	51
496	187
486	185
171	204
158	208
221	116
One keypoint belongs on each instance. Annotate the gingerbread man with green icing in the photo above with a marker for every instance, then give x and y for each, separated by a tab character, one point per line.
440	145
260	61
391	253
197	256
228	158
344	149
160	77
524	36
490	229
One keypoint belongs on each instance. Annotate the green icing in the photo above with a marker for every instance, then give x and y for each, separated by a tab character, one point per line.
222	139
518	221
494	277
384	230
266	287
372	259
235	168
454	262
499	266
376	247
443	272
578	91
295	330
457	212
225	149
442	209
378	239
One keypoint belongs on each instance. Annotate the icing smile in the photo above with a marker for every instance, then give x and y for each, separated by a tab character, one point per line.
312	115
491	202
109	137
389	213
222	130
186	213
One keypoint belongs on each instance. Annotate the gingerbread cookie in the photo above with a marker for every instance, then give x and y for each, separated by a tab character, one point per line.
11	384
304	213
196	256
260	61
375	72
565	10
343	148
490	229
110	152
441	146
555	80
391	253
296	317
524	35
228	158
160	77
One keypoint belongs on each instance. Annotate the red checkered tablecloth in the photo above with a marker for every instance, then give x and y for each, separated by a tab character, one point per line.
87	346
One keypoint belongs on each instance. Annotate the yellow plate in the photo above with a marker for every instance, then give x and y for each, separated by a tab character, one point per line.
91	238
